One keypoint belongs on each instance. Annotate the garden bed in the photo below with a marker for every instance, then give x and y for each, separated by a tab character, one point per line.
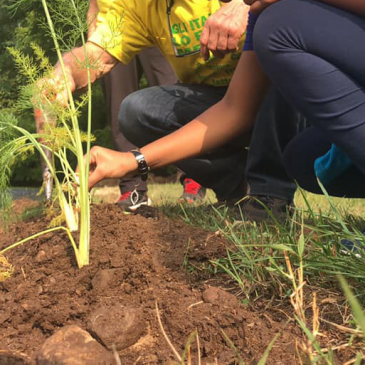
135	261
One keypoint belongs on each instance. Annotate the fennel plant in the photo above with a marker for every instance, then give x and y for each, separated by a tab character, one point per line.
59	134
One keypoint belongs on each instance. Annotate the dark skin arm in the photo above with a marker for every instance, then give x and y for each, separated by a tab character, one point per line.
233	115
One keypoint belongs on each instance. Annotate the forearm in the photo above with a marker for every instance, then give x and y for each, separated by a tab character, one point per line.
91	16
355	6
233	115
101	61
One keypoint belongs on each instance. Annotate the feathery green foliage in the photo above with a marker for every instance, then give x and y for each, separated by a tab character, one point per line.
59	132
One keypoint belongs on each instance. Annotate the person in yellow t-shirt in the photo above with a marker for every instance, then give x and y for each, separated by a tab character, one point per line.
202	41
123	80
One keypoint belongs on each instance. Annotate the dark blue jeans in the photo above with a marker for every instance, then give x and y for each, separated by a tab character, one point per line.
152	113
314	54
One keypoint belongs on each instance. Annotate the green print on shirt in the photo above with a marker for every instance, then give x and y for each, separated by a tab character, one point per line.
186	35
209	70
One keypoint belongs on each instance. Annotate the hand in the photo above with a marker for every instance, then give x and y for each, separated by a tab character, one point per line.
76	75
109	164
53	89
257	6
223	30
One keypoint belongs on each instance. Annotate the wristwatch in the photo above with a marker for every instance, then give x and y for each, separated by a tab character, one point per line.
143	168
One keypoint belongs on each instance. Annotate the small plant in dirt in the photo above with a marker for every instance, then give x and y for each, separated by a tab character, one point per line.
58	133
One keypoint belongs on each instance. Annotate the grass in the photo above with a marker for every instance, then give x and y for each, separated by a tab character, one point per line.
297	263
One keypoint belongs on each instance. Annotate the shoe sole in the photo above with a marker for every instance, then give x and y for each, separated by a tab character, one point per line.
136	206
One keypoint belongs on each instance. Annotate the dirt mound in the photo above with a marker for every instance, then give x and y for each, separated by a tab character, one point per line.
135	262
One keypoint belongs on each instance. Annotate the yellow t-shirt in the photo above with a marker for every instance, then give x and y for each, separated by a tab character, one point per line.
126	27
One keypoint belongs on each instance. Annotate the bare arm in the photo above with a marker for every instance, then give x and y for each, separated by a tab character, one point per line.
76	73
234	114
102	61
91	16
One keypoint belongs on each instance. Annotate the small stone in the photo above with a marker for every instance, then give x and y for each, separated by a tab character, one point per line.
41	256
71	345
219	297
108	278
13	358
118	325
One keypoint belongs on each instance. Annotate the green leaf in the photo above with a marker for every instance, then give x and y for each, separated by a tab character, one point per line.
357	311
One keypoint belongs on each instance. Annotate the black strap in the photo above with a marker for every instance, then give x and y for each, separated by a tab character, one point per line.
169	6
143	168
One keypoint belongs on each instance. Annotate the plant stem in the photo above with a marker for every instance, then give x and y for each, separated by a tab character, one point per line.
82	252
40	234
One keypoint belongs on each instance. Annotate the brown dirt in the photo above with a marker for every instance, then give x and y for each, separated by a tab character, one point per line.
135	261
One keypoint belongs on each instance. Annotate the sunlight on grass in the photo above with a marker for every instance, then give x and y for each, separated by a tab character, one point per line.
165	194
320	204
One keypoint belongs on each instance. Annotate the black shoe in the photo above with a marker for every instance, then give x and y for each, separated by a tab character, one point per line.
131	200
262	208
193	191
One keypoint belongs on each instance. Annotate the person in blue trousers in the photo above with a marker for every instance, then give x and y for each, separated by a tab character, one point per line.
318	68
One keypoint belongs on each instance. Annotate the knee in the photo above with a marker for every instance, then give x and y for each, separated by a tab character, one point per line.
275	30
130	116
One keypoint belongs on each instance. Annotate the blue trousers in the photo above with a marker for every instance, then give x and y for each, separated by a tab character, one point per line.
314	54
152	113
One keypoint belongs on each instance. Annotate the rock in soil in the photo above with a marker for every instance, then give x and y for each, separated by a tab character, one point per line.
12	358
118	325
71	345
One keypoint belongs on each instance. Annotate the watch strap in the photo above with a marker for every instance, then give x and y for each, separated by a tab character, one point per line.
143	168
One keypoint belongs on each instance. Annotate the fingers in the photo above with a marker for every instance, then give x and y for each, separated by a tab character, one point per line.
213	38
95	176
204	38
223	30
105	163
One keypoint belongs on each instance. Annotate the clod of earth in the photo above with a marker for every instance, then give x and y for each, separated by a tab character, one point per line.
118	325
71	345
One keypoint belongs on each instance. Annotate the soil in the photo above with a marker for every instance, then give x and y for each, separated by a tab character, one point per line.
135	263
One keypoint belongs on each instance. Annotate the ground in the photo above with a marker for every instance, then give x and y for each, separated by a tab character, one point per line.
140	266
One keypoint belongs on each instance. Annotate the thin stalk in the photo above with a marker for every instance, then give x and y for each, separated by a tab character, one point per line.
84	177
83	250
40	234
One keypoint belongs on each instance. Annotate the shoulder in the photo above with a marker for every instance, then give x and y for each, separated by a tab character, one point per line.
131	5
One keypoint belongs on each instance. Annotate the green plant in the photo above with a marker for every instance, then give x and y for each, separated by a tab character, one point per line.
60	133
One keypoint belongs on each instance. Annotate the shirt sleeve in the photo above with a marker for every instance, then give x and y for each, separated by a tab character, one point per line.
120	31
248	45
